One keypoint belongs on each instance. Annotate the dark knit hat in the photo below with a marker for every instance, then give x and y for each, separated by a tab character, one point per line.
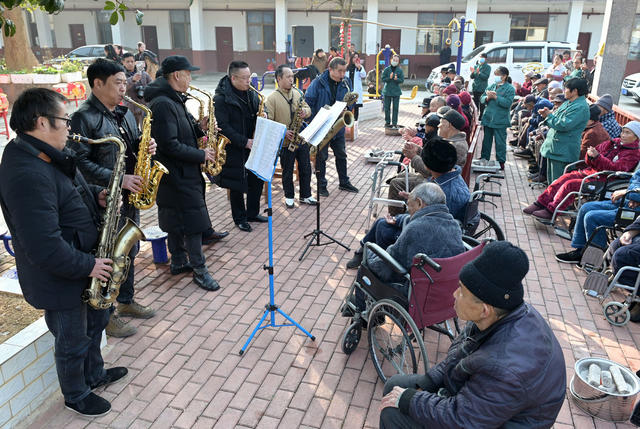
455	119
594	112
439	155
495	277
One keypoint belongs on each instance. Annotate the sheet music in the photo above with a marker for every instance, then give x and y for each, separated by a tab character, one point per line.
267	140
322	123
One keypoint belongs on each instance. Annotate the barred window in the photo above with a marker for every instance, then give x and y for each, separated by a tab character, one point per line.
261	30
433	31
180	29
104	27
529	26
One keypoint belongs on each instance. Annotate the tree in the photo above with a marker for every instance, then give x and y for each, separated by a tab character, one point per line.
344	6
17	50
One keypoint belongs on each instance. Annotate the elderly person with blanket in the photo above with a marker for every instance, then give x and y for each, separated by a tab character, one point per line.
613	155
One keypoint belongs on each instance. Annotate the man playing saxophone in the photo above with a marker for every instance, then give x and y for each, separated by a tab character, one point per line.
182	209
237	107
101	116
53	216
287	106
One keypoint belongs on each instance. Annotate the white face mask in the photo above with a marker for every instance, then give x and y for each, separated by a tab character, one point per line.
394	63
497	79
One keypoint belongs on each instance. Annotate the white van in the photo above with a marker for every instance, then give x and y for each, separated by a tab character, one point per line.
515	56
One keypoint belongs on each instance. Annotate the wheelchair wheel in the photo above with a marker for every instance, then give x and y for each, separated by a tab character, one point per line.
392	334
616	313
488	228
351	337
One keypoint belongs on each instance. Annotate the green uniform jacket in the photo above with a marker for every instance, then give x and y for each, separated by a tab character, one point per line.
496	114
575	73
565	131
392	86
480	76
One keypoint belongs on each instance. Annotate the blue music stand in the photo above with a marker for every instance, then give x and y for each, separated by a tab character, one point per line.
272	308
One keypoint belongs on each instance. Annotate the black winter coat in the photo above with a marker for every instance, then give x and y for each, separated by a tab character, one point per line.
95	121
52	221
237	120
181	205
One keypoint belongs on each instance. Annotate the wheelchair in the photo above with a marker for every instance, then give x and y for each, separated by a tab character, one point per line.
477	224
379	186
395	319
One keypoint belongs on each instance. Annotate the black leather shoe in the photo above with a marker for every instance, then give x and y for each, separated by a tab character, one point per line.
213	237
202	278
179	269
323	192
91	406
348	187
244	226
258	218
113	374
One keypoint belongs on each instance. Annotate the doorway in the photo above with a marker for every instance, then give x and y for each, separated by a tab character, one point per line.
391	38
584	41
224	47
77	35
150	38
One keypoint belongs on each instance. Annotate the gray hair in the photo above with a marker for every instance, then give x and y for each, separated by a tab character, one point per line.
440	100
429	193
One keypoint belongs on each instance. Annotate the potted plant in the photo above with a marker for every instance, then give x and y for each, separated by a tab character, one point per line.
46	74
71	71
4	75
21	76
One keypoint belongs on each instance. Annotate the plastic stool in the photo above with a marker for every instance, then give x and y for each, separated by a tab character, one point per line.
158	239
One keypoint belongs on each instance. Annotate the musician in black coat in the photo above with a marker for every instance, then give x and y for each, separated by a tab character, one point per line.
182	209
236	114
52	214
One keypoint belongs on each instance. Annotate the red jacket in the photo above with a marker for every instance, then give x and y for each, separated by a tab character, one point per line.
592	136
613	156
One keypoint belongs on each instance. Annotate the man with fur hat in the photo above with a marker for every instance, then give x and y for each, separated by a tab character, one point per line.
608	116
506	368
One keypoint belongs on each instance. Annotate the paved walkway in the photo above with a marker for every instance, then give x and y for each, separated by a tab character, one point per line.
185	370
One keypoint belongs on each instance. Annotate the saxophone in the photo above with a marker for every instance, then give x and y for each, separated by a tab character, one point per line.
261	97
150	174
295	125
345	120
214	140
112	243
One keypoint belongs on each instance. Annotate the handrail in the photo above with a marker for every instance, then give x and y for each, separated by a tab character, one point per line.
259	83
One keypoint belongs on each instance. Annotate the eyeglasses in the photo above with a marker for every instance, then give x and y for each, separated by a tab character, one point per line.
66	119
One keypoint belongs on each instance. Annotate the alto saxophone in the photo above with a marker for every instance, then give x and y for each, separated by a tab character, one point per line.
151	174
295	125
112	244
345	120
261	97
214	139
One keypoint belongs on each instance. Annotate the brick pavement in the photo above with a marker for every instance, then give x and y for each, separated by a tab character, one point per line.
185	371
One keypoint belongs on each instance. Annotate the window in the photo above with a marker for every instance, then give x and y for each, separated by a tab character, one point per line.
180	29
261	30
104	27
634	46
484	37
430	40
529	26
356	31
527	55
497	56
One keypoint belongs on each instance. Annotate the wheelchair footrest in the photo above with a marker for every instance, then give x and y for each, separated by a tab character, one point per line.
596	284
563	233
592	258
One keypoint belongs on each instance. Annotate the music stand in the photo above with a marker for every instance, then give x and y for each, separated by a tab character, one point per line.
272	308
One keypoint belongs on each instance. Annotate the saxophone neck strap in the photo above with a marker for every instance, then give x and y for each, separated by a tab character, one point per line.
28	147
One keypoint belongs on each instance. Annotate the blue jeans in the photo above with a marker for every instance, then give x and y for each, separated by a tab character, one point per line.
383	233
77	334
624	256
590	216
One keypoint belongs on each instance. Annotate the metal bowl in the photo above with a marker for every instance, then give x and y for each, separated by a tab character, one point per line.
598	403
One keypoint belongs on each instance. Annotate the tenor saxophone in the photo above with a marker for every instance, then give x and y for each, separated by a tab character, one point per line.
261	97
345	120
295	125
214	140
113	243
151	174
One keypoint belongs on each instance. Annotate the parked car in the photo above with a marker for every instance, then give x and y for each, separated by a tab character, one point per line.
518	57
635	93
629	83
87	54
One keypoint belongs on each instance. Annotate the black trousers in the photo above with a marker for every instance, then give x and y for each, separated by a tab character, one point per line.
337	145
476	99
239	212
288	163
182	247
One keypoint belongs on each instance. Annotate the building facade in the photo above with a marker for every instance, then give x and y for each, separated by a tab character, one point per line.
261	32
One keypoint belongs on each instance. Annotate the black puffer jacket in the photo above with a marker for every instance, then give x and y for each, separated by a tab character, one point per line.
52	221
95	121
181	204
237	120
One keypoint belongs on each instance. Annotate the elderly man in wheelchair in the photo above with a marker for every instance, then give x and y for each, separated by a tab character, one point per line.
430	229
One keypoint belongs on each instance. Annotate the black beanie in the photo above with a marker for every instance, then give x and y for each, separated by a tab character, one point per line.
495	277
439	155
594	112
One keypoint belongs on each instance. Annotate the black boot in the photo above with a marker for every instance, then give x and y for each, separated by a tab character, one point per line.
202	278
356	260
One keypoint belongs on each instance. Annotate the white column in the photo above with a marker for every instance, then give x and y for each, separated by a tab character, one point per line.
371	32
44	28
575	19
116	33
471	13
197	26
281	26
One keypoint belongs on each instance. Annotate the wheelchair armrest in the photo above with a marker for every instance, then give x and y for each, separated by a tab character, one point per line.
397	152
424	259
619	175
382	254
574	166
396	163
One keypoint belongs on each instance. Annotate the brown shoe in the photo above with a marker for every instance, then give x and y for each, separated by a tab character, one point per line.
119	328
136	310
543	214
532	208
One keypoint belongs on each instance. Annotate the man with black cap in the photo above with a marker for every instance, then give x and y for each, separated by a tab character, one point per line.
182	209
506	368
540	88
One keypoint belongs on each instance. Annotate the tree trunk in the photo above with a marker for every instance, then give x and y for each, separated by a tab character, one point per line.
17	49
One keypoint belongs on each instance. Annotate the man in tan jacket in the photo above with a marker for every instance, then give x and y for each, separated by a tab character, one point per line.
282	106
